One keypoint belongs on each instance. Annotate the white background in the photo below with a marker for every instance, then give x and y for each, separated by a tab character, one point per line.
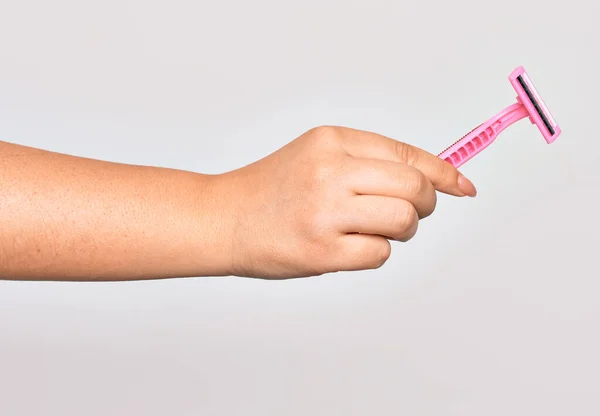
491	310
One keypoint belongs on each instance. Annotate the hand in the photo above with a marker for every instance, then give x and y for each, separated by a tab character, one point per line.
330	201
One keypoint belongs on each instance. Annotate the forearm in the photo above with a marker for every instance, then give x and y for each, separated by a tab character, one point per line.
70	218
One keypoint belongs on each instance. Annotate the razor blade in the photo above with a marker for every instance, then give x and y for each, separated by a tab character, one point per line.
529	104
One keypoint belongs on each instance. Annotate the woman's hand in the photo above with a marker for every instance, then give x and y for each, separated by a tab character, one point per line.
330	200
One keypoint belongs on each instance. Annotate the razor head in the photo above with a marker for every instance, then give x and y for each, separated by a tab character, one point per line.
539	114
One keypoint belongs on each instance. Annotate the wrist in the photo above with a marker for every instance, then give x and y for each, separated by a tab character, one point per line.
217	209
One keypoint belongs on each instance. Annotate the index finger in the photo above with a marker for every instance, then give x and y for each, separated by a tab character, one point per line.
444	177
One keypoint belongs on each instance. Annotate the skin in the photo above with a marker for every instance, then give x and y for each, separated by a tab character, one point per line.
331	200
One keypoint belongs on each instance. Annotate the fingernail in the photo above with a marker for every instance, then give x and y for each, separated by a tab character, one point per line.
466	186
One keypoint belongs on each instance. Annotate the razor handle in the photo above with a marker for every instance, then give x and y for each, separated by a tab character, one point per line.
482	136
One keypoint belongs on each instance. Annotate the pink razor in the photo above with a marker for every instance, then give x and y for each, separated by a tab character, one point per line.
529	104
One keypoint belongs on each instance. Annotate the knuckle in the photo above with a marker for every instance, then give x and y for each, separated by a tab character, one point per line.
423	184
407	153
382	255
404	216
376	256
324	136
410	233
416	182
406	222
431	206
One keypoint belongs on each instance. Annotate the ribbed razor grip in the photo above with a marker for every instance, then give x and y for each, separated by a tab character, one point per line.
468	146
482	136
